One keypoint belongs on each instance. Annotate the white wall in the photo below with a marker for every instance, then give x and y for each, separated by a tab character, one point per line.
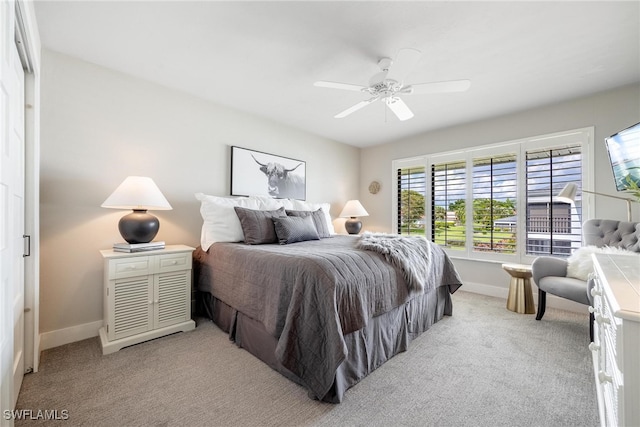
608	111
99	126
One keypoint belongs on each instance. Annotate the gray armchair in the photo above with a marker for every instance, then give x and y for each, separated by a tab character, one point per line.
550	274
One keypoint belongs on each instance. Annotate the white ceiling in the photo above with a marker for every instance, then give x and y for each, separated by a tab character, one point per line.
263	57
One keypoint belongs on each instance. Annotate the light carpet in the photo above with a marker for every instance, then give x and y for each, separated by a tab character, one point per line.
483	366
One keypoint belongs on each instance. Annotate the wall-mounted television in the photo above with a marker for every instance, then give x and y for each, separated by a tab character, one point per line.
624	154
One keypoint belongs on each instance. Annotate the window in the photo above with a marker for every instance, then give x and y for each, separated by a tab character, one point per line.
551	220
448	207
411	200
503	201
494	204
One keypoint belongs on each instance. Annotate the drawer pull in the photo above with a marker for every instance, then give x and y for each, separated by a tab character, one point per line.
600	319
594	347
604	378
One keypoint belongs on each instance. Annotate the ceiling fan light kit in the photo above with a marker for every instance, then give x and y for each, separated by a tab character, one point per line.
388	85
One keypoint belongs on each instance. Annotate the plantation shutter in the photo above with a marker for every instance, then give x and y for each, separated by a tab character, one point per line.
411	183
448	214
553	224
494	204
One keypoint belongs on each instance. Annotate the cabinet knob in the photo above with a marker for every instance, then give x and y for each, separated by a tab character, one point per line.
595	292
594	347
601	319
592	309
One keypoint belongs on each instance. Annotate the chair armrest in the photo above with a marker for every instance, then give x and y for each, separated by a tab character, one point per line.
590	285
548	266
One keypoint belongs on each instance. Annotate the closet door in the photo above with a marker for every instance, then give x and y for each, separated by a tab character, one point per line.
12	179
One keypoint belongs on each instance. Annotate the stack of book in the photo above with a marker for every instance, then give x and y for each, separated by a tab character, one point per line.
137	247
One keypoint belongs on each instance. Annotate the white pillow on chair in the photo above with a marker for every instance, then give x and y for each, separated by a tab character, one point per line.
580	263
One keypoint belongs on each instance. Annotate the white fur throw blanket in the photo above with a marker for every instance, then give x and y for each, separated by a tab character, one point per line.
413	255
580	263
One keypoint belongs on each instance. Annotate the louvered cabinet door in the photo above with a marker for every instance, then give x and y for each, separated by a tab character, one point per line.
173	303
132	303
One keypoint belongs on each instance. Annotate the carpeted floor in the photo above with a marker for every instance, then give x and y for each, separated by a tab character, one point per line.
484	366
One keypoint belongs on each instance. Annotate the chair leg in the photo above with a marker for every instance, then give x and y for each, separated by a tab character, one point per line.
542	303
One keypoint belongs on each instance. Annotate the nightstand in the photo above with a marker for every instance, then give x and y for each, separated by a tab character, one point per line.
146	295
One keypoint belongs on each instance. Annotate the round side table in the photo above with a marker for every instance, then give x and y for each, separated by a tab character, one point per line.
520	297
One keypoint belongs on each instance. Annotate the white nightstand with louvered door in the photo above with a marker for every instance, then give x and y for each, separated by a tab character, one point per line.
146	295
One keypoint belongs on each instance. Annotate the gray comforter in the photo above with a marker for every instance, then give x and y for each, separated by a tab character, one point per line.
309	295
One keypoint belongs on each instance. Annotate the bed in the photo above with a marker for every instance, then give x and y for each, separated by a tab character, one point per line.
324	313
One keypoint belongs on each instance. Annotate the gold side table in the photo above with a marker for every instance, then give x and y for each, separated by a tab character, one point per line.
520	297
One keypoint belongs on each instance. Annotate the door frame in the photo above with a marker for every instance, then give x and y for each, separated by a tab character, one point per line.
29	50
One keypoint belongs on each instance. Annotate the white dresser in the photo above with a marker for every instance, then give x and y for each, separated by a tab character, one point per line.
146	295
616	340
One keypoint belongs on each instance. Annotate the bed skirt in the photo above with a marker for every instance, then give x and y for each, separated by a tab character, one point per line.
382	338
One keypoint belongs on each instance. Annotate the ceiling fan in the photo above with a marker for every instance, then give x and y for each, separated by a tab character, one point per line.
388	85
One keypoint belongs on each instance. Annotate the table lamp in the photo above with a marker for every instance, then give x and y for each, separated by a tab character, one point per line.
140	194
353	209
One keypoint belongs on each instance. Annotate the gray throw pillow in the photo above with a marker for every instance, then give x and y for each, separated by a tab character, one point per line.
319	220
295	229
257	226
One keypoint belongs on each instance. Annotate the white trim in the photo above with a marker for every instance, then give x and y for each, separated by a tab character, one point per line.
85	331
519	147
64	336
502	293
25	13
483	289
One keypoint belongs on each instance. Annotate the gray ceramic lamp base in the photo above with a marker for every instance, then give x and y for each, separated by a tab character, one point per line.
138	227
353	226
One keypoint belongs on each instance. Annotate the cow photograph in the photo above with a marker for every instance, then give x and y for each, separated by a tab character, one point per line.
254	173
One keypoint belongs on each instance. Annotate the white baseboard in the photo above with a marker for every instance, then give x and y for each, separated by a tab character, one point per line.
89	330
502	292
68	335
482	289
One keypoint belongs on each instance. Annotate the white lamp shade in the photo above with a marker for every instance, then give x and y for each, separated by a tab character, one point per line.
352	209
138	193
568	193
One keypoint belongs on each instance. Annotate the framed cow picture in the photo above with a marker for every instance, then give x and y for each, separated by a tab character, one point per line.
254	173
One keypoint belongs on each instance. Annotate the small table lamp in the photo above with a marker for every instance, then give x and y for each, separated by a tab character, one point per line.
138	193
353	209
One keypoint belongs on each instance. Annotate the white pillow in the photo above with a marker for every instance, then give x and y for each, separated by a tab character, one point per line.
580	263
267	203
221	224
299	205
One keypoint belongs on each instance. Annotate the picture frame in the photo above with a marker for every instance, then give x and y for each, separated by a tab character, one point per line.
255	173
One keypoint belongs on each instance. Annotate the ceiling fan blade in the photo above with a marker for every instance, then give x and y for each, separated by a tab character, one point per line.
355	108
344	86
441	87
403	64
399	108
